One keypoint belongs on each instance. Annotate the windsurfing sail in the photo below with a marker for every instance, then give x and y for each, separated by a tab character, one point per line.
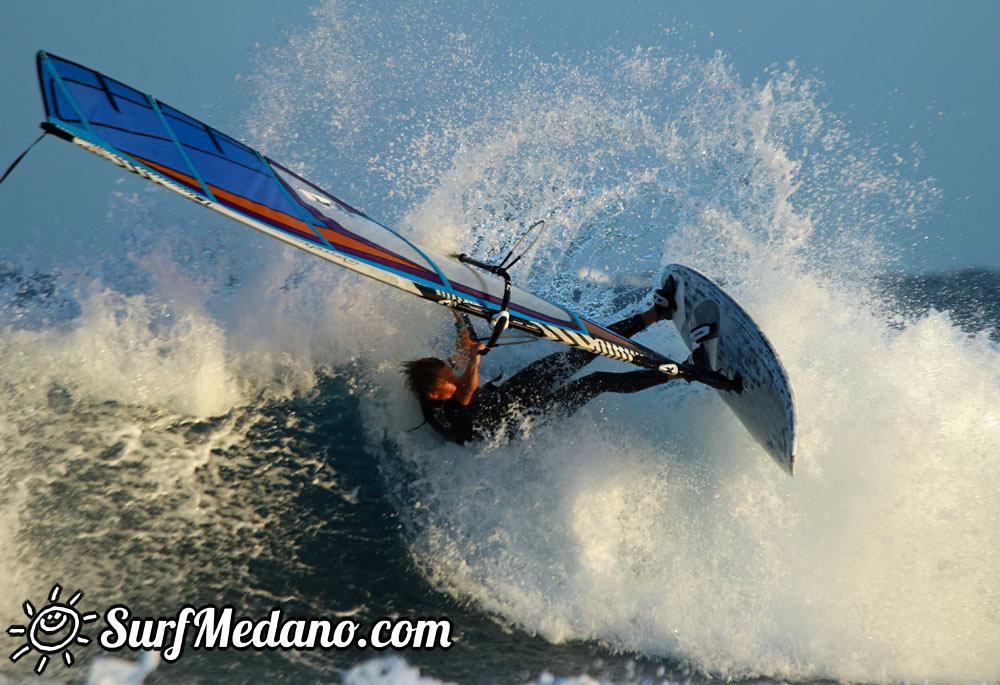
161	143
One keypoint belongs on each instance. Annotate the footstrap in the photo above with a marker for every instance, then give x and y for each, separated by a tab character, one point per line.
664	299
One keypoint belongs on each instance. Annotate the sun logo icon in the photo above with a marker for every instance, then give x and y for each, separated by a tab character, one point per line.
52	629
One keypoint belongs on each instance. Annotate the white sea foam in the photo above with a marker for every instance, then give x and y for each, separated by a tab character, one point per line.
395	670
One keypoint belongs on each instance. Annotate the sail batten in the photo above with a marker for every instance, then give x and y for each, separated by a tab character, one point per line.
173	138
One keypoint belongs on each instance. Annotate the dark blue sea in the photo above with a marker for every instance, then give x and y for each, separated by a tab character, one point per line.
201	416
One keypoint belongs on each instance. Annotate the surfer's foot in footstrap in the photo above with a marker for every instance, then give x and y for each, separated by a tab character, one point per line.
664	301
734	384
719	382
699	357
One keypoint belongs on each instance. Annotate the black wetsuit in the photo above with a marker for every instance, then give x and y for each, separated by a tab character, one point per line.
539	388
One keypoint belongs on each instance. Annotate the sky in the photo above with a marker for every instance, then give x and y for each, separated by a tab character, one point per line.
906	73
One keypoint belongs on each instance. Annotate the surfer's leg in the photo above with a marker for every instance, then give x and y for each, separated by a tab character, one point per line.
555	369
631	325
574	395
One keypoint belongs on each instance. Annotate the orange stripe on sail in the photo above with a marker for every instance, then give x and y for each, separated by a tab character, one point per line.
344	241
255	207
605	334
335	238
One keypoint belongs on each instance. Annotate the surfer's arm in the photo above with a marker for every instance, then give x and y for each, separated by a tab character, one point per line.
463	342
467	351
468	382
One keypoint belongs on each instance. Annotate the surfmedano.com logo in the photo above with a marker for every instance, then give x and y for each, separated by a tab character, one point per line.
52	630
56	627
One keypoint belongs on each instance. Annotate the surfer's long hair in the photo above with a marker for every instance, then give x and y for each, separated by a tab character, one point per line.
422	374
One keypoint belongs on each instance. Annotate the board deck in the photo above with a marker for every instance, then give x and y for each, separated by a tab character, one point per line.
766	406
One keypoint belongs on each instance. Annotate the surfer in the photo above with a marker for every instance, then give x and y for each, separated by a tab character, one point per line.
456	407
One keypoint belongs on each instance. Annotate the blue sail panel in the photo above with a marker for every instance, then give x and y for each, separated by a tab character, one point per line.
123	119
120	117
193	133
